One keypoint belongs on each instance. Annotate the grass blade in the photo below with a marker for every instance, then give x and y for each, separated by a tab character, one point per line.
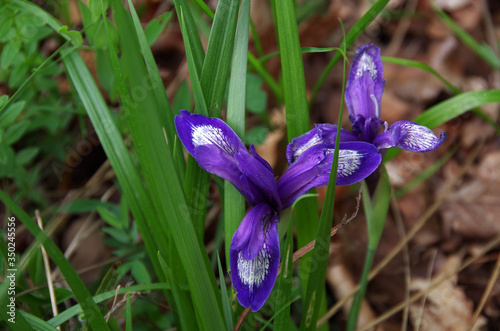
90	309
376	213
315	295
284	291
234	202
183	305
453	88
451	108
191	33
77	309
166	190
483	51
226	306
219	52
297	118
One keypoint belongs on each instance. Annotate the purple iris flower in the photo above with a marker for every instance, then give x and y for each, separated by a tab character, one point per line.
254	250
363	97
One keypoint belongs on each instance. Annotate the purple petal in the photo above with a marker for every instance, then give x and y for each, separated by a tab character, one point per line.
197	130
321	134
258	178
357	160
254	256
409	136
218	162
365	84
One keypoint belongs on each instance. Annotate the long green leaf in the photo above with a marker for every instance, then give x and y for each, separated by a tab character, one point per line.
183	305
482	50
297	119
225	299
156	84
453	88
315	286
357	29
214	74
284	290
36	323
376	213
451	108
90	309
190	33
64	316
166	189
234	202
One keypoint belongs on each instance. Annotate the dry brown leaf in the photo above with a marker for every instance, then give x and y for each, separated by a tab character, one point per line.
472	210
446	308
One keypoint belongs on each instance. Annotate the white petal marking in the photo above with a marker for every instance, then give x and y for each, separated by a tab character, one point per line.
366	64
211	135
253	272
417	137
349	162
315	140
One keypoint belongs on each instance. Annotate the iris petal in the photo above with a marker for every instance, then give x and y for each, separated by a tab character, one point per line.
219	163
357	160
409	136
321	134
258	178
254	256
197	130
365	84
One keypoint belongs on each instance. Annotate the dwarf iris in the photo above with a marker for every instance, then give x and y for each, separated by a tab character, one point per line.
363	98
254	249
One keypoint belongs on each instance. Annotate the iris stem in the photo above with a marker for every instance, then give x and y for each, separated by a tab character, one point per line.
358	299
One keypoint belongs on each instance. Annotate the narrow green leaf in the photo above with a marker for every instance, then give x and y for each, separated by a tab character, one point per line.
357	29
297	114
196	180
297	118
214	74
183	305
92	312
199	98
128	314
453	88
284	291
109	218
153	82
156	26
376	213
315	294
165	187
234	202
115	149
65	315
451	108
36	323
191	33
482	50
226	306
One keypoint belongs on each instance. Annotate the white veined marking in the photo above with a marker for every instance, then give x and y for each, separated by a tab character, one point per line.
417	137
253	272
349	161
375	102
366	64
315	140
211	135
